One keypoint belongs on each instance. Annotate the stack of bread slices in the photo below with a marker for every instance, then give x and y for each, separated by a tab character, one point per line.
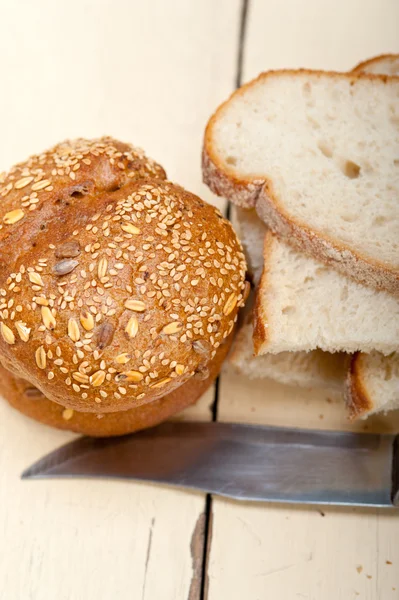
311	161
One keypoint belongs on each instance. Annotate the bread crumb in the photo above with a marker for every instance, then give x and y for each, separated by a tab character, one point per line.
359	568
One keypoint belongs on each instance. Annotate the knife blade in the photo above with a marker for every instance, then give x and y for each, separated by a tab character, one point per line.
243	462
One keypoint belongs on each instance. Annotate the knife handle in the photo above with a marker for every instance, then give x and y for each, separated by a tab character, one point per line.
395	472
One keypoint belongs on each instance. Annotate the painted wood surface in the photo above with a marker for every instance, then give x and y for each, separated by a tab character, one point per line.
151	73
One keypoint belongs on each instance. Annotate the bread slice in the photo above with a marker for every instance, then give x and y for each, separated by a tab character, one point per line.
317	154
304	369
303	305
386	64
372	384
251	231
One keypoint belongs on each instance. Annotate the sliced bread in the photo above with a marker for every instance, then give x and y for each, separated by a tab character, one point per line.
251	231
386	64
304	369
317	154
302	305
372	384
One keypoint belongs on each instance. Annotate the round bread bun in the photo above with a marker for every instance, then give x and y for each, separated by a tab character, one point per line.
30	401
116	286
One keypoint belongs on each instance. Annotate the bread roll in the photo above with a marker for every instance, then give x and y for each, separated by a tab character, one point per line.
31	402
116	286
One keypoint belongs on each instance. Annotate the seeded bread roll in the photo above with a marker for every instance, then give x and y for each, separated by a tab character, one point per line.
116	286
31	402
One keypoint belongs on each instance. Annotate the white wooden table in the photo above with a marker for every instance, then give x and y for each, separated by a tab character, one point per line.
151	72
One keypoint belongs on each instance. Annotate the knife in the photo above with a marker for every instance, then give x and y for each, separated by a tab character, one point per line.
244	462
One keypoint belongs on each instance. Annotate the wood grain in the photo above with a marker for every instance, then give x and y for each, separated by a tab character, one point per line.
293	553
149	73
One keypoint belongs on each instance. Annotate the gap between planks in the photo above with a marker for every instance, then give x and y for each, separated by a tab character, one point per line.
203	528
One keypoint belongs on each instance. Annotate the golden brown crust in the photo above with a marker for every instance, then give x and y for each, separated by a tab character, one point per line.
257	191
29	401
319	245
363	66
117	288
357	400
261	326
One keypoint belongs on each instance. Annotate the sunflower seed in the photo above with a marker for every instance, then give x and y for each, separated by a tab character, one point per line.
65	266
68	250
105	335
201	347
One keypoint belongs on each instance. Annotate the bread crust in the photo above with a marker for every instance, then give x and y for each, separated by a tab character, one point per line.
258	192
261	326
29	401
119	286
363	66
310	241
357	401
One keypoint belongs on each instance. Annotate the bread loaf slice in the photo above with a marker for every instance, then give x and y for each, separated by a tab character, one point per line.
317	368
387	64
317	154
304	369
302	304
372	384
251	231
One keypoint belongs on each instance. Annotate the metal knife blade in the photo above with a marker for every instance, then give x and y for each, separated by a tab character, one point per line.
243	462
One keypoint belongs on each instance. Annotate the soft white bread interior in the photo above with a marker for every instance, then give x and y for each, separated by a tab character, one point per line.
251	231
372	384
303	305
304	369
317	154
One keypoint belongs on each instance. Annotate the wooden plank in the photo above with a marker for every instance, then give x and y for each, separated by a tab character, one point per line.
149	73
332	34
271	551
